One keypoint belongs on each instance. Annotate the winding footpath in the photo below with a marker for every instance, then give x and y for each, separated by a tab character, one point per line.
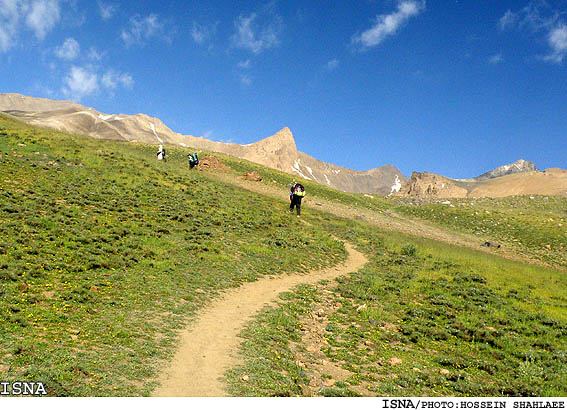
209	345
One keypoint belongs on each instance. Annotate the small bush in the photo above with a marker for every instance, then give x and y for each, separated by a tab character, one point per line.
409	249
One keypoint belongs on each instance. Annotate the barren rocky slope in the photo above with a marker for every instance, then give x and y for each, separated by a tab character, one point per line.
552	181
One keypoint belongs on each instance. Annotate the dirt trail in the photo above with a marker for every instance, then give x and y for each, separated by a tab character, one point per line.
209	344
388	220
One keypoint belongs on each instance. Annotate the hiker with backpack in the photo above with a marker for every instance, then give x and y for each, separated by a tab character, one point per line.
297	192
161	153
193	160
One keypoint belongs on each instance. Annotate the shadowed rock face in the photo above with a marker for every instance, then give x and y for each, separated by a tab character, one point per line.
278	151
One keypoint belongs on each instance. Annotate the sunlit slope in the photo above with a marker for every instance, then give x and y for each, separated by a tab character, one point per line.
106	254
104	251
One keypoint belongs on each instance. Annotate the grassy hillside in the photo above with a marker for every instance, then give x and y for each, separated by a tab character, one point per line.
534	225
105	253
420	319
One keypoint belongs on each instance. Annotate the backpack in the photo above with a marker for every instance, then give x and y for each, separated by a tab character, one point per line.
193	159
298	190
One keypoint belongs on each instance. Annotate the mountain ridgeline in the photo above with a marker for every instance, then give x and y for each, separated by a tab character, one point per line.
518	178
278	151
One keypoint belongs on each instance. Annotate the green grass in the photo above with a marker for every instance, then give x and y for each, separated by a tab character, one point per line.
534	225
281	181
461	323
105	253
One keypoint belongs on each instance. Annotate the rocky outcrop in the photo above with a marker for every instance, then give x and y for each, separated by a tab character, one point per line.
429	185
552	181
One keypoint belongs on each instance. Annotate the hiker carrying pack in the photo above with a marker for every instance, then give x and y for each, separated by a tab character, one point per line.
161	153
193	160
296	194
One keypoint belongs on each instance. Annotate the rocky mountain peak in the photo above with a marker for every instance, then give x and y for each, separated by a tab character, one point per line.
281	141
518	166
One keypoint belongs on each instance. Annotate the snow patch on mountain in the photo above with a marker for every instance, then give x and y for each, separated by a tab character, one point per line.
154	130
397	185
297	168
311	172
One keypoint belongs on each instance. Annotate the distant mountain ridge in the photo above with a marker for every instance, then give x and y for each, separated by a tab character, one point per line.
552	181
516	167
278	151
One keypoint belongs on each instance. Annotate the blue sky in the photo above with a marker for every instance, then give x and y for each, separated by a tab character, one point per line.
452	87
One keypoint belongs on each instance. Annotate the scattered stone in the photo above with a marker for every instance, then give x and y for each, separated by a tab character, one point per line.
490	244
358	309
373	322
245	378
548	247
211	163
444	372
320	312
252	176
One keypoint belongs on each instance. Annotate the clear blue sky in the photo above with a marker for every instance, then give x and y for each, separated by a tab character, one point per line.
452	87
